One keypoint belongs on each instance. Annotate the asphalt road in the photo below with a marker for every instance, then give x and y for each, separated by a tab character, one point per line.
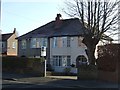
56	83
27	82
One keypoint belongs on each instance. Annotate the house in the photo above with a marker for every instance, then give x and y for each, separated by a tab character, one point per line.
9	43
63	40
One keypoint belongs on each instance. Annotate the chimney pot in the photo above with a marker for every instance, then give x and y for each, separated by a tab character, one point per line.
58	22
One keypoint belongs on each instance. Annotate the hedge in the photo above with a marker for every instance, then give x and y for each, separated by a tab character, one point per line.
21	64
108	57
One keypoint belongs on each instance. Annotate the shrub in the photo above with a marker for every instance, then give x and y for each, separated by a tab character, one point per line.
108	57
20	64
67	70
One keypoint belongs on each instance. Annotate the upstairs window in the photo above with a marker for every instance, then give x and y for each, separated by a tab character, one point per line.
13	45
24	44
3	44
54	42
44	42
33	42
61	42
64	41
38	42
68	41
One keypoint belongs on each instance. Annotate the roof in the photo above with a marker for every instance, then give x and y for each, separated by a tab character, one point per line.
6	36
69	27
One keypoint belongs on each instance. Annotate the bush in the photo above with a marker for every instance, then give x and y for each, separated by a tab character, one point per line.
67	70
108	57
20	64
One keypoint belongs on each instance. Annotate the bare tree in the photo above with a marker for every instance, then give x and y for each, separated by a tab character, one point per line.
98	17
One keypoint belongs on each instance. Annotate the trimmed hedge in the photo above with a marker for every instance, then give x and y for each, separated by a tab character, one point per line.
22	64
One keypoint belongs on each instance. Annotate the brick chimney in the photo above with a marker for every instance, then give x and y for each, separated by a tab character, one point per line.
58	21
14	30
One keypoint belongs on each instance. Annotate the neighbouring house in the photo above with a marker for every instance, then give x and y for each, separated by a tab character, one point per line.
9	43
63	40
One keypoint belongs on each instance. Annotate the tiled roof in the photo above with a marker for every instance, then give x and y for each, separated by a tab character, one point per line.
69	27
6	36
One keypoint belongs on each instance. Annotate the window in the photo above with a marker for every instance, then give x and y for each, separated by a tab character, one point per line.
3	44
44	42
38	42
13	45
68	60
61	42
64	41
23	44
68	41
33	42
81	59
57	60
61	60
54	41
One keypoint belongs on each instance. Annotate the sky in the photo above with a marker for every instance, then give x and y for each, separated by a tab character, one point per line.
27	15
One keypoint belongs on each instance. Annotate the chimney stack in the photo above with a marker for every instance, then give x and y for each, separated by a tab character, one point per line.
58	21
14	30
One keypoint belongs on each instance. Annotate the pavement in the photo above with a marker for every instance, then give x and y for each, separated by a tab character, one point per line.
29	81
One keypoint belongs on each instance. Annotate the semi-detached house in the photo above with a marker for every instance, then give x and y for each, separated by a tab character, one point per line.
61	37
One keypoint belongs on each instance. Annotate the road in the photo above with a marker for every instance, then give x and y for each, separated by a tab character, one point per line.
40	83
26	81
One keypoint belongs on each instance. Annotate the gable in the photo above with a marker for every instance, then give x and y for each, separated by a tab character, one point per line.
5	37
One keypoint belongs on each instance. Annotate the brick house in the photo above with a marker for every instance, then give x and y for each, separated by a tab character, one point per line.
9	43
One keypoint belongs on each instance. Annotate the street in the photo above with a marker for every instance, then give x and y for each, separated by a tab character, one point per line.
25	81
39	83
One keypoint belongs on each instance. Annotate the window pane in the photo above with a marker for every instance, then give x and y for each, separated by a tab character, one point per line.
54	41
68	60
60	60
64	41
38	43
13	45
23	43
44	42
33	43
59	42
68	41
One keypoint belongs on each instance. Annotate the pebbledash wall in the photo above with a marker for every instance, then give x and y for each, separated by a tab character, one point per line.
73	51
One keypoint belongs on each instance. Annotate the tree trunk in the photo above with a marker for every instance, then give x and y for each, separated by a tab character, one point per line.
90	54
91	46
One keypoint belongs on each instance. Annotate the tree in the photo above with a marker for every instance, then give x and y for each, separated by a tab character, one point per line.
98	17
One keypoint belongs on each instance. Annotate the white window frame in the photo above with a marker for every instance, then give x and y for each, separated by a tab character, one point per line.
61	60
